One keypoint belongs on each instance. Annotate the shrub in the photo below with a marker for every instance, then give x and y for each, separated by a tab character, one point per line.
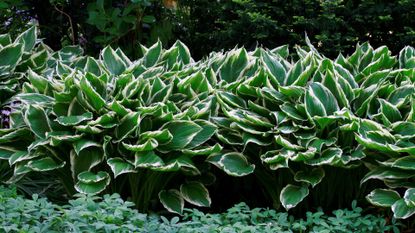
111	214
154	126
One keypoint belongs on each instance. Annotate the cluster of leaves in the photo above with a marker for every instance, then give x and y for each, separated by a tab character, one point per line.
111	214
338	25
155	126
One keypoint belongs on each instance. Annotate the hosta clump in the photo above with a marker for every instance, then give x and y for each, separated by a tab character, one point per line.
104	118
316	112
153	126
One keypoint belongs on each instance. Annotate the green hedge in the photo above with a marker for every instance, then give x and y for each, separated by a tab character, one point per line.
111	214
157	127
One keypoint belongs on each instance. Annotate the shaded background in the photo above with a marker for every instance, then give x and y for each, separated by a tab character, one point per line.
211	25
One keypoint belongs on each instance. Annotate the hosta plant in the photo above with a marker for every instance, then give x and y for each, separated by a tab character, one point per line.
153	127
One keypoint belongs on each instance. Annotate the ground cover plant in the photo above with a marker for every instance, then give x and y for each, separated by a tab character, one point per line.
111	214
155	127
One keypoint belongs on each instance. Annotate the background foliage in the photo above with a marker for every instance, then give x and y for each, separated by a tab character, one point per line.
207	26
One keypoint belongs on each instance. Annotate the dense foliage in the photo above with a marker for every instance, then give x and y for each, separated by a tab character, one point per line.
206	25
111	214
93	24
155	126
337	26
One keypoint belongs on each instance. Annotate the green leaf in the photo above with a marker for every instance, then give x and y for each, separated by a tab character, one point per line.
127	126
235	164
409	196
391	112
83	144
147	159
150	144
28	39
45	164
152	55
172	200
234	65
319	101
274	67
402	210
183	133
291	195
35	117
195	193
112	61
95	184
120	166
94	99
11	55
208	129
386	173
74	120
312	177
383	197
90	177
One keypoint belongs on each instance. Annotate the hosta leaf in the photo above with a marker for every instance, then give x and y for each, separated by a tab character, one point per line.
90	177
112	61
183	133
203	150
235	164
286	144
152	55
233	66
391	112
383	197
83	144
208	129
409	197
45	164
162	136
386	173
172	200
319	101
274	66
312	177
11	55
150	144
35	98
196	194
86	160
328	156
120	166
94	99
291	195
402	210
36	119
98	183
128	124
147	159
74	120
406	163
19	156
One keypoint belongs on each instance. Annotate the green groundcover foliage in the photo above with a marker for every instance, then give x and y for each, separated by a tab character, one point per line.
111	214
158	126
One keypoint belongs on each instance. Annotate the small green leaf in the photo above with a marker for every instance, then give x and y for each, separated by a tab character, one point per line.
236	164
196	194
291	195
312	177
120	166
383	197
172	200
36	119
44	164
74	120
402	210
